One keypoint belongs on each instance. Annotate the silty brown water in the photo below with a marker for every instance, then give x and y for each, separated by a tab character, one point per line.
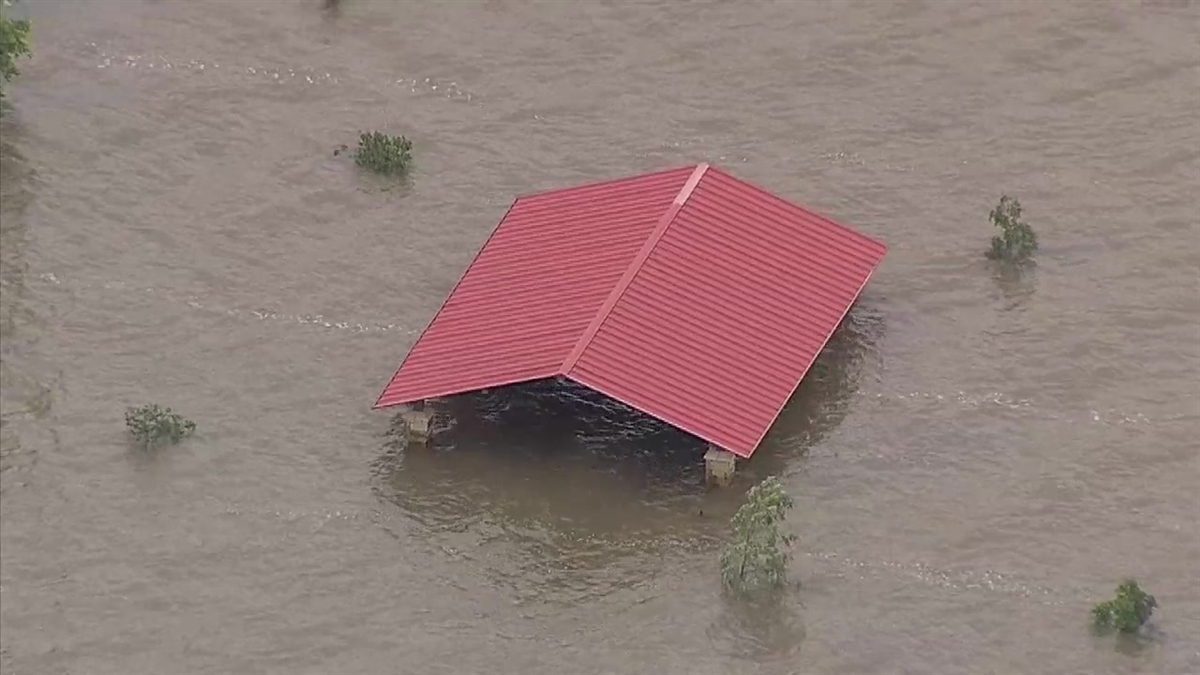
978	458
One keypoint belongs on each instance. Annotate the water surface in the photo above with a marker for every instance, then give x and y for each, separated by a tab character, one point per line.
977	459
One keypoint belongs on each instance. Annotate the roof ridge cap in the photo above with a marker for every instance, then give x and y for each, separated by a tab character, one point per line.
635	266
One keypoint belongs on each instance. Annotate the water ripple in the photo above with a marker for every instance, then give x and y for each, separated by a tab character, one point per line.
958	580
961	399
307	76
259	314
1001	401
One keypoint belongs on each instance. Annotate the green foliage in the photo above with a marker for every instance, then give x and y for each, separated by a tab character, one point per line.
1017	240
757	555
1126	612
152	424
14	43
383	154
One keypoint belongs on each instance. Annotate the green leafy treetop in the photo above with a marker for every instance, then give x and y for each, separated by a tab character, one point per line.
383	154
14	43
757	555
1128	611
1017	240
153	424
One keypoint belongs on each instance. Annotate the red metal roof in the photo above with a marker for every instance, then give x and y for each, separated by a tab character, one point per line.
532	289
688	294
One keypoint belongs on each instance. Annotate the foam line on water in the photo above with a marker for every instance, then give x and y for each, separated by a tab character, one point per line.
854	159
988	581
961	399
824	562
298	75
260	314
1001	401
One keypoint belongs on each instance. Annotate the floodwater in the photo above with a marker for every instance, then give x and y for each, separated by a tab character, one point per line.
979	456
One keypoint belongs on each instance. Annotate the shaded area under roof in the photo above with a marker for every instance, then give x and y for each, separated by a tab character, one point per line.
688	294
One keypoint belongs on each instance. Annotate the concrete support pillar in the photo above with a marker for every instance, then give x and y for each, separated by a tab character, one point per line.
719	466
418	420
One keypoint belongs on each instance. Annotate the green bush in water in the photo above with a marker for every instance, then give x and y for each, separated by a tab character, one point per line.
152	425
1128	611
756	557
14	43
1017	241
383	154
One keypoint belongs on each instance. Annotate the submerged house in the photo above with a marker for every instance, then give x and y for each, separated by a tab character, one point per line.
688	294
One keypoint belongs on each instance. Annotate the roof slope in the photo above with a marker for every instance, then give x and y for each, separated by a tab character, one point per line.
706	315
533	287
728	311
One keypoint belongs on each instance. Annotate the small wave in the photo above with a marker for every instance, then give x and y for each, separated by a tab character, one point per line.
998	400
989	581
586	547
319	517
685	148
851	158
429	85
668	148
320	320
961	399
254	314
306	76
163	64
842	158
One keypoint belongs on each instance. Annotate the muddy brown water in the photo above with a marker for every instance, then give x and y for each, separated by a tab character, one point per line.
977	459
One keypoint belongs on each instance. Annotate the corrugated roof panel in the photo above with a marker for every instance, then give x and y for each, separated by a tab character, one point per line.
727	312
534	287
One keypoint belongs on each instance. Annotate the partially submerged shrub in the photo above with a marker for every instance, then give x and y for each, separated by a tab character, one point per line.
1128	611
757	555
1017	240
153	424
14	43
382	153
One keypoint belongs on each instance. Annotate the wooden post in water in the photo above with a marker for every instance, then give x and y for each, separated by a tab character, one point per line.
719	466
418	421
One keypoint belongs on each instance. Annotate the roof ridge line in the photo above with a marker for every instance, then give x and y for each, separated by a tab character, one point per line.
626	279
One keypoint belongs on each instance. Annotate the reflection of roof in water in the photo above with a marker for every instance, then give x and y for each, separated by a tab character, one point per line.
687	294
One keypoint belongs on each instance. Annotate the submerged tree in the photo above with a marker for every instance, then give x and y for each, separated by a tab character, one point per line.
1128	611
1017	240
153	424
757	555
383	154
14	43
